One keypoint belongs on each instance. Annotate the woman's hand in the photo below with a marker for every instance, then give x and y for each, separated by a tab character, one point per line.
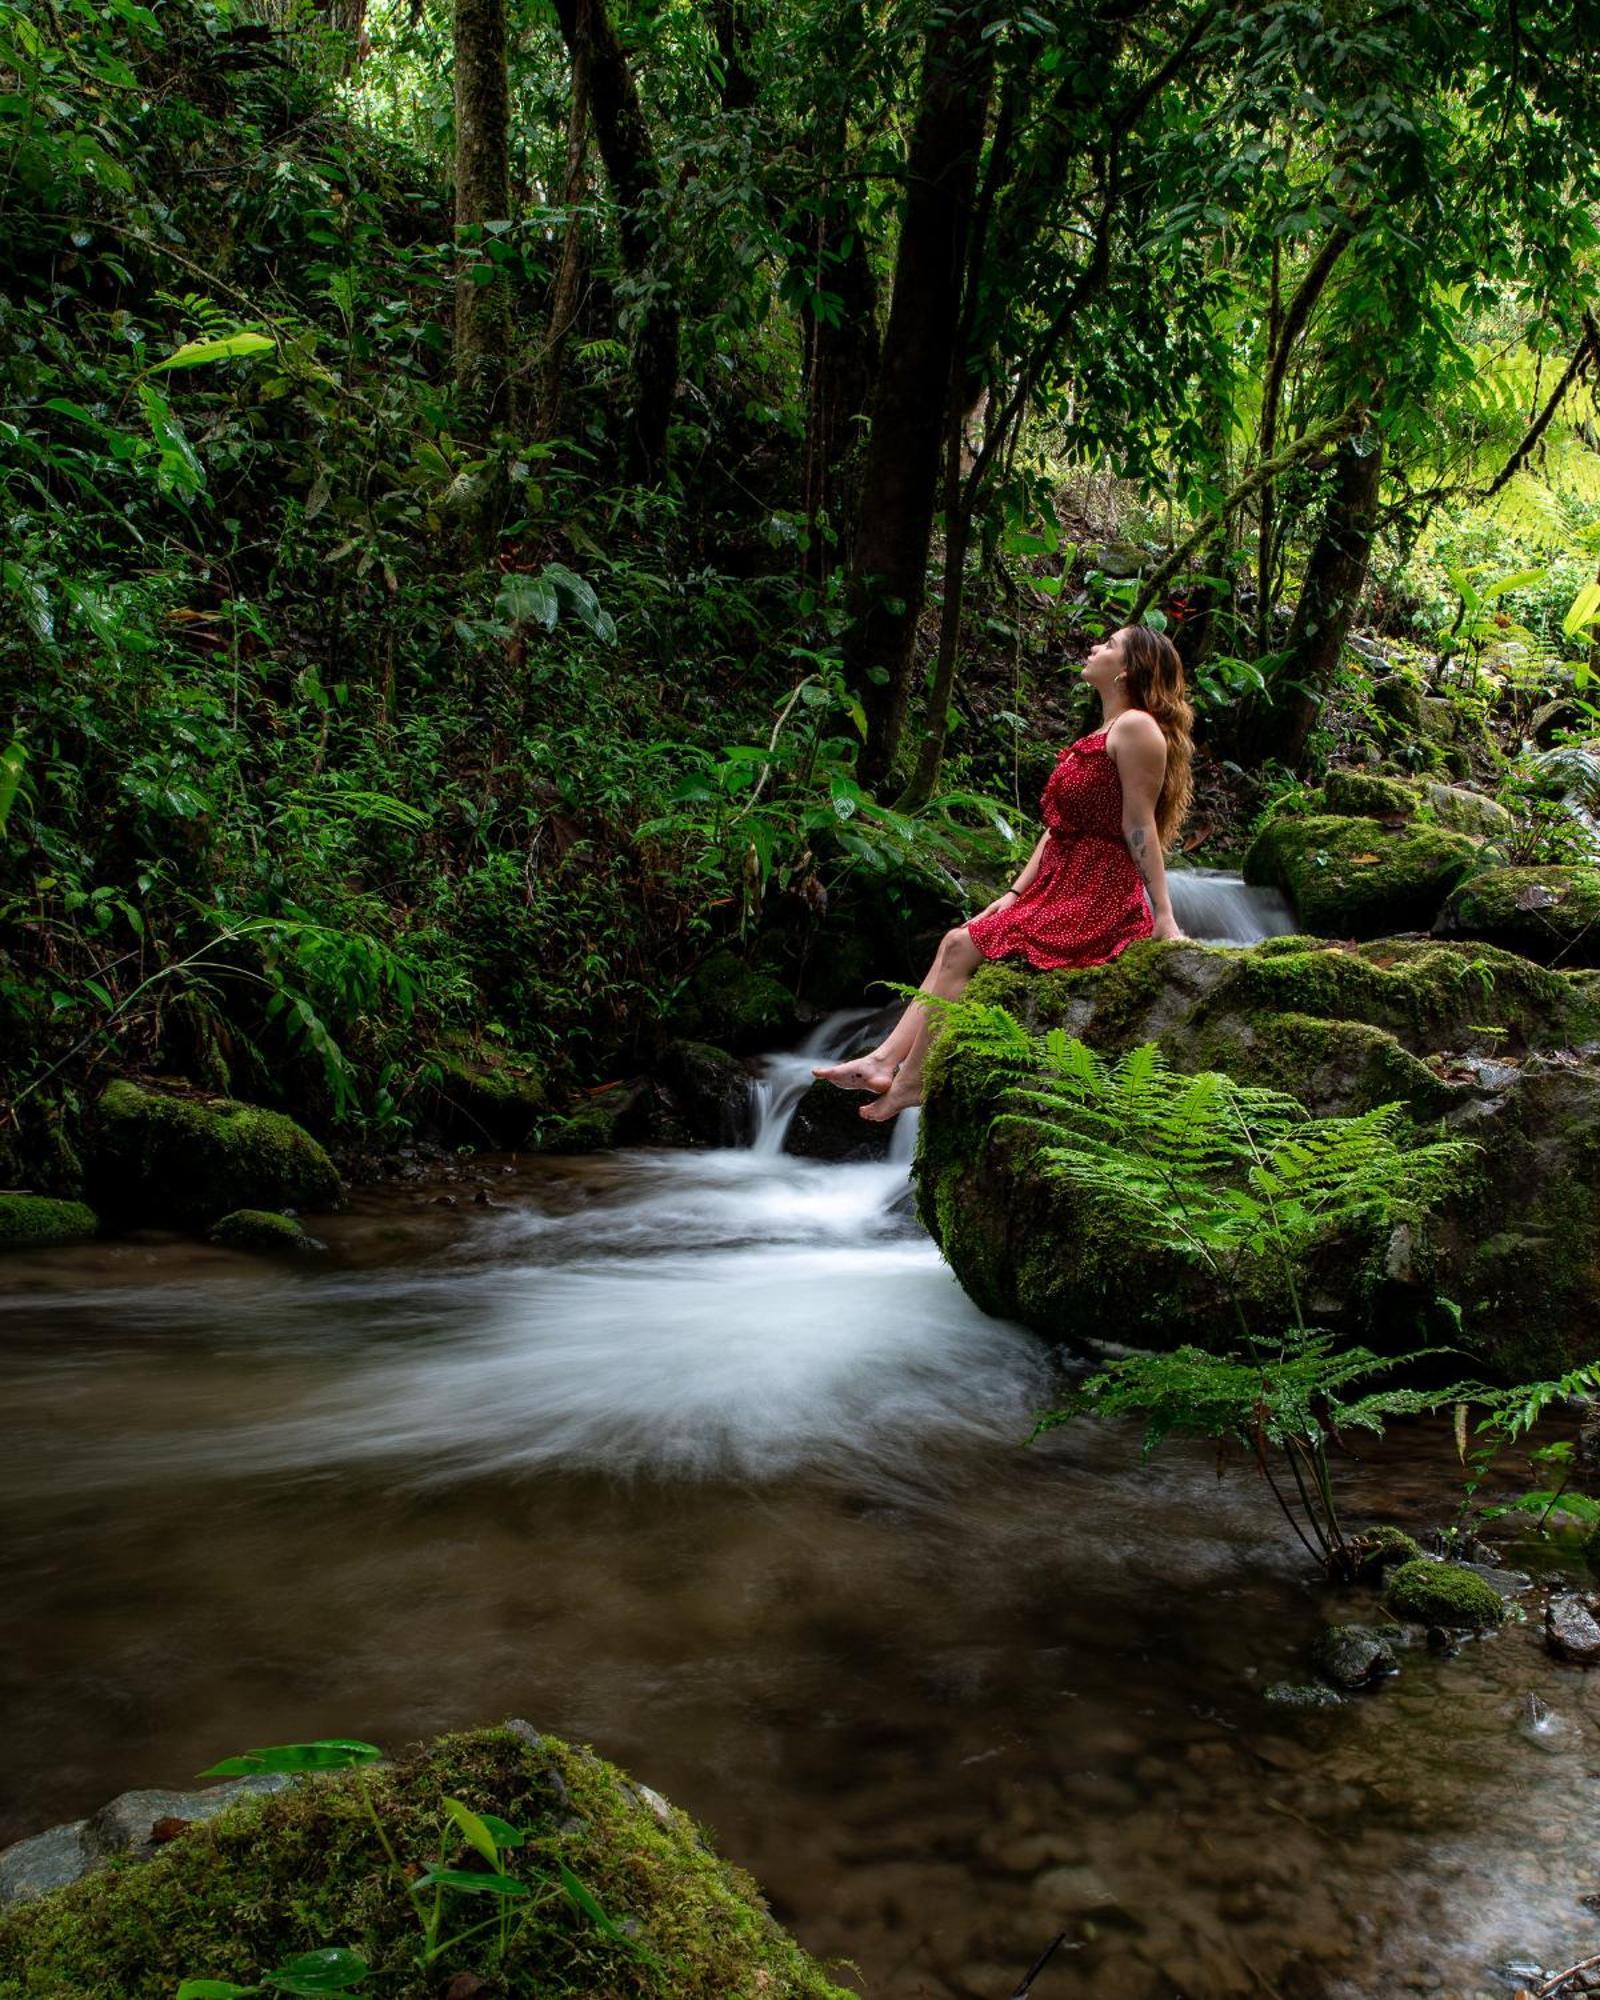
1004	901
1166	927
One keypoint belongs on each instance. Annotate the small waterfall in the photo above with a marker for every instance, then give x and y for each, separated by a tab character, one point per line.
786	1077
1215	906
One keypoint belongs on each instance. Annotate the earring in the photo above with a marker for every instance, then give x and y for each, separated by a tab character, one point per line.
1120	677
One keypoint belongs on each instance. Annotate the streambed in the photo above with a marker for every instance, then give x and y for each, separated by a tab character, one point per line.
706	1459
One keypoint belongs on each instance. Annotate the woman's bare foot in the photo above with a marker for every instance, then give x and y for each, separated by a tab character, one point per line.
865	1073
902	1094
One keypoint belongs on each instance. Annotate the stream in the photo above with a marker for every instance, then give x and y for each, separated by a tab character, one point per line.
706	1459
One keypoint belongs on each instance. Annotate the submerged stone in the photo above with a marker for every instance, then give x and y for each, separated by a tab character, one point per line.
1351	1656
261	1231
1572	1629
1302	1694
1383	1548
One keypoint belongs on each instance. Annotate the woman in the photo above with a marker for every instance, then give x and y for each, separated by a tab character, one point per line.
1096	881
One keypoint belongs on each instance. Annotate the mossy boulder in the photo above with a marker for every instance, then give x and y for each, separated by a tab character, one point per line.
710	1092
486	1097
1359	877
1548	914
1480	1039
167	1160
1384	1548
1371	795
301	1869
1367	795
1441	1593
261	1232
38	1222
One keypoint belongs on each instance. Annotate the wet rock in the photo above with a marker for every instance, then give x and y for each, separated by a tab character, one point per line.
261	1232
827	1125
1352	1656
1383	1548
711	1090
1447	1595
1572	1629
38	1222
1359	877
1548	914
170	1160
134	1824
486	1097
1301	1694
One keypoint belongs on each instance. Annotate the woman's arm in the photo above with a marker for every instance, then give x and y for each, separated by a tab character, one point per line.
1136	743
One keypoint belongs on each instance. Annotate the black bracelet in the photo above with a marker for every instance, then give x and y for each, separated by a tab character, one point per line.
1013	890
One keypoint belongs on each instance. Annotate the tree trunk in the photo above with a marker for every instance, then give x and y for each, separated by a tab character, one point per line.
567	290
483	195
631	167
888	575
1335	574
842	355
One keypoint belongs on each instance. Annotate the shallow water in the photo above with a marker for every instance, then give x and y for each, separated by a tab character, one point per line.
707	1460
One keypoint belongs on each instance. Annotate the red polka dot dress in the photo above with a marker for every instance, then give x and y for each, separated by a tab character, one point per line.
1087	901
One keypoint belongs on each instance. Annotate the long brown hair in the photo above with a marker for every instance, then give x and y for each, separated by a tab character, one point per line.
1155	683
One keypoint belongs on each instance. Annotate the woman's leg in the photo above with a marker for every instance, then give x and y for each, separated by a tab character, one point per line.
957	960
875	1070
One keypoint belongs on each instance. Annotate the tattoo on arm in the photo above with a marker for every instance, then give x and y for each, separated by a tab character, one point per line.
1137	847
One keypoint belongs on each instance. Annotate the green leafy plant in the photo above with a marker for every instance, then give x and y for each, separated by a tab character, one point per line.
1508	1417
434	1888
1242	1182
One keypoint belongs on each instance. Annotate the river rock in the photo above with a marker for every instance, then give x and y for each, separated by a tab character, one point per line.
1572	1629
1351	1656
39	1222
1359	877
168	1159
134	1824
260	1232
486	1097
1301	1694
1491	1045
1443	1594
711	1090
1548	914
827	1125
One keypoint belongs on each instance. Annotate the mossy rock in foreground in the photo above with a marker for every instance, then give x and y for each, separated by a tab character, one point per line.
260	1232
184	1161
299	1870
1350	877
1548	914
1440	1593
38	1222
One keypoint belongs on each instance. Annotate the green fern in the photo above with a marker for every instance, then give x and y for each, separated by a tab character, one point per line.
1235	1177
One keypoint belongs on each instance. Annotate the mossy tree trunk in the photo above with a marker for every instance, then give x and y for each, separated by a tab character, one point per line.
623	139
567	291
916	382
483	196
1336	572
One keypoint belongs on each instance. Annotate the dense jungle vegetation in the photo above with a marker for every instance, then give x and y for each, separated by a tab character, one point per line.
506	503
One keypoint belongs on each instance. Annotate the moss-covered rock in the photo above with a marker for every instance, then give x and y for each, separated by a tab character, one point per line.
1548	914
1367	795
260	1231
487	1097
1359	877
1440	1593
301	1869
1384	1548
185	1161
36	1222
1467	1034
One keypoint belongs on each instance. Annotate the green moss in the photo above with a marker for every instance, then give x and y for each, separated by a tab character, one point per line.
1383	1548
35	1222
1358	877
487	1097
185	1161
1548	914
300	1869
259	1230
1364	795
1435	1593
742	1005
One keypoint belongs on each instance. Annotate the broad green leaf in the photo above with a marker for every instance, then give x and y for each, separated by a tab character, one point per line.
504	1833
472	1883
12	760
194	353
474	1831
213	1989
334	1753
332	1970
528	600
1584	610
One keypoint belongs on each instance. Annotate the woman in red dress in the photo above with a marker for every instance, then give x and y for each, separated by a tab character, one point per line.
1096	882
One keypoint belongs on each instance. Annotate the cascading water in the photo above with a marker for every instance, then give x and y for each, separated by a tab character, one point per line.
1214	906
